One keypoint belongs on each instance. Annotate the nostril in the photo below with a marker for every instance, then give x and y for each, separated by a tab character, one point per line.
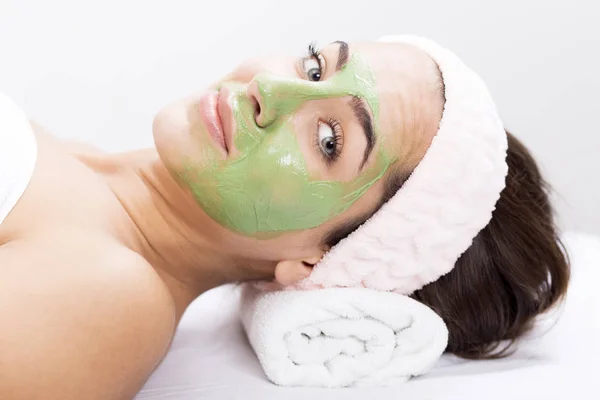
256	107
253	95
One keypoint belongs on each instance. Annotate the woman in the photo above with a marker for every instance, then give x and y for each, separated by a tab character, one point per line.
256	178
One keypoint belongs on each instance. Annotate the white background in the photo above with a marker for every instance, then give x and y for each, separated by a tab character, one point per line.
99	70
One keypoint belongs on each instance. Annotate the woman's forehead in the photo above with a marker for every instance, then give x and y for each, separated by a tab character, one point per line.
386	59
407	82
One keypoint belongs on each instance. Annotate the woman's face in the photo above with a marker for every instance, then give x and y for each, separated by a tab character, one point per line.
288	144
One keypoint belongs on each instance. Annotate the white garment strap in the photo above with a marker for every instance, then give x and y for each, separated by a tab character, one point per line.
18	154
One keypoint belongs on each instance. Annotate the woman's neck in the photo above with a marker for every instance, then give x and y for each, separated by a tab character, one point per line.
164	224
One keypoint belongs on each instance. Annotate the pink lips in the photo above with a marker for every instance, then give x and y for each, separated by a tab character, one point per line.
209	111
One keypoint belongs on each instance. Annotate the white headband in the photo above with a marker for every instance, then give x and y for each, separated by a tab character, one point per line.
419	234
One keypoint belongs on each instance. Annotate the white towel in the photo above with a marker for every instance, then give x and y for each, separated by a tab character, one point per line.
341	336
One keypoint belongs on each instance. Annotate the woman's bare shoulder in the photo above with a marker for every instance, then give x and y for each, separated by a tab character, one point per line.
79	308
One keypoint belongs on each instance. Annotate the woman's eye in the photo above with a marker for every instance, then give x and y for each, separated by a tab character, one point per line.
313	69
327	140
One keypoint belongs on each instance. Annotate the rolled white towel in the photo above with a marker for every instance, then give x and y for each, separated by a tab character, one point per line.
341	336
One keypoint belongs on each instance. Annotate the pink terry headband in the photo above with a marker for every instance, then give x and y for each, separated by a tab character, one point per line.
419	234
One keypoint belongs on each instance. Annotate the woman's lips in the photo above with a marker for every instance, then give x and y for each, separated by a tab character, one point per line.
209	111
225	111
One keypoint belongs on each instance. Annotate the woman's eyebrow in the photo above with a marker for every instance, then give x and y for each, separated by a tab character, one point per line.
342	55
364	119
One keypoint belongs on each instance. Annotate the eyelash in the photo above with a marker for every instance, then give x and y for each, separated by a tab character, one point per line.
336	128
314	52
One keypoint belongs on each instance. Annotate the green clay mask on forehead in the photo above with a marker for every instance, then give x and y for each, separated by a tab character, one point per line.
267	188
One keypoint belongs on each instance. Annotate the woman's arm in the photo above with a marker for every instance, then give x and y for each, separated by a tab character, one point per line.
86	324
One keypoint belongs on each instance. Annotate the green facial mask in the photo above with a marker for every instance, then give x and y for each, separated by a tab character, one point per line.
268	189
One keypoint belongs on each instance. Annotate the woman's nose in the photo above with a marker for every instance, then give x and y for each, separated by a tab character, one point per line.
273	97
253	93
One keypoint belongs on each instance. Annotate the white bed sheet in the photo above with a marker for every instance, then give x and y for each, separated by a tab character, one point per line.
210	357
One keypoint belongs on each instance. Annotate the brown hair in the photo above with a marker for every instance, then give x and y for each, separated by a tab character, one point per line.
515	269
